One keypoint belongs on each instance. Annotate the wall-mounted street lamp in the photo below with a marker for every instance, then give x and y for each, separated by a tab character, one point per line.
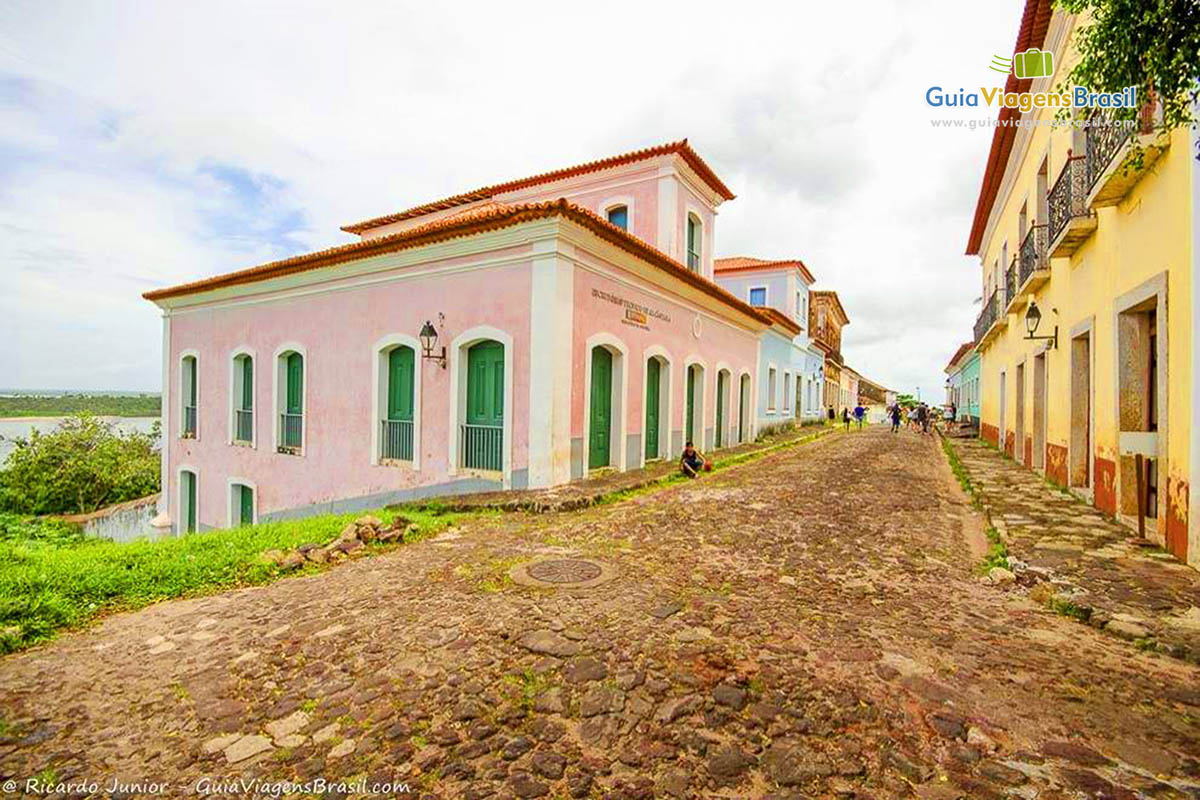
1033	318
429	337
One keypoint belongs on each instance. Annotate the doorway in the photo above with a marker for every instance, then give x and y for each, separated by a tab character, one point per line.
1081	411
1039	411
1019	445
600	421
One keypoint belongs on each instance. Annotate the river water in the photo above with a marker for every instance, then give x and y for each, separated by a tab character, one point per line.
16	427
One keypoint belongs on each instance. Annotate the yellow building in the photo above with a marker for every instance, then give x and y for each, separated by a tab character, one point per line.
1105	252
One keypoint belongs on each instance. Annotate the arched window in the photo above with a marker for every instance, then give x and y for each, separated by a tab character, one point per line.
289	402
242	387
396	436
619	216
189	384
695	232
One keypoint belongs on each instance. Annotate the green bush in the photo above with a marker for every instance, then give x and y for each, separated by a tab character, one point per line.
50	581
82	465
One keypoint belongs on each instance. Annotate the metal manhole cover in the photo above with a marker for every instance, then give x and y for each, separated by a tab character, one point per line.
563	573
564	570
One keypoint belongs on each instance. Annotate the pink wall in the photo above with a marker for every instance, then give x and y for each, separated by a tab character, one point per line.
338	330
718	342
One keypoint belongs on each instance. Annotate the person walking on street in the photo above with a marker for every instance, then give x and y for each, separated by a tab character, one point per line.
895	417
859	413
846	418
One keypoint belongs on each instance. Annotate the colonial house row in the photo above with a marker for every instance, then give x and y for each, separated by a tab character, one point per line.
1090	268
520	335
962	384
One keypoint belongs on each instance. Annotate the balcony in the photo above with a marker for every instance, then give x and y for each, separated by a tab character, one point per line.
1071	221
244	426
480	447
1010	287
291	433
1033	262
992	318
396	440
1119	152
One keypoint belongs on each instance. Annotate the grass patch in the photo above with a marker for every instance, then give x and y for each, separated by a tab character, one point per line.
961	474
1068	608
997	554
53	579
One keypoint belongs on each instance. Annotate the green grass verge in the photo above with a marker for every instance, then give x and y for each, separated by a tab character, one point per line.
997	554
52	579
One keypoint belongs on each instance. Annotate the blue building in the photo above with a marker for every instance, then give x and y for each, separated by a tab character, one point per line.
962	383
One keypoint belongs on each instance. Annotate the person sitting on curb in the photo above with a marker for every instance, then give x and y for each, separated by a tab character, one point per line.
692	461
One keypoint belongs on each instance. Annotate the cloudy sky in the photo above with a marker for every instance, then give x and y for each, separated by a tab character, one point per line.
146	143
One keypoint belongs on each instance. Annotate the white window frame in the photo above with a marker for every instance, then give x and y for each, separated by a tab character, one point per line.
771	387
233	508
615	201
279	394
235	385
620	399
183	356
182	517
457	354
380	351
787	391
687	243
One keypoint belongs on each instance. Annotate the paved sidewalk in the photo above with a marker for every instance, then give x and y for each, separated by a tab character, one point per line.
1084	564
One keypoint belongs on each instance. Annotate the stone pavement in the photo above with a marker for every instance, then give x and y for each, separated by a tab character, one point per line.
583	493
806	625
1082	562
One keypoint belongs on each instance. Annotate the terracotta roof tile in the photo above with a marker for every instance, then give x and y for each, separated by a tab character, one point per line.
962	350
746	263
682	148
475	221
1035	21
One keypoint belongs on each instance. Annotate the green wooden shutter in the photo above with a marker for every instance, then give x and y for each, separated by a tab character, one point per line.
189	498
485	384
400	384
720	409
247	383
295	383
190	365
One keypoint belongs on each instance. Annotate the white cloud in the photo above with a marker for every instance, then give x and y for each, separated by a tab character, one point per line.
144	144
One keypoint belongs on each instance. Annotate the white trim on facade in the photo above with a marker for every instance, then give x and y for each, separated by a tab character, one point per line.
551	343
181	513
233	507
726	397
666	401
457	355
279	401
380	351
234	385
698	412
620	382
190	352
615	201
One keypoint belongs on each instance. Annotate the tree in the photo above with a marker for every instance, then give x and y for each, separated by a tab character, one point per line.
1151	44
80	466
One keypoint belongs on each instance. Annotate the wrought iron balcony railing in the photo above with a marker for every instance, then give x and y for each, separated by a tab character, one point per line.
480	446
1010	282
243	425
989	313
1105	135
396	439
1068	198
1033	253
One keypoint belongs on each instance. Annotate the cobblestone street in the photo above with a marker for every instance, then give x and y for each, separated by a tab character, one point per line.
809	624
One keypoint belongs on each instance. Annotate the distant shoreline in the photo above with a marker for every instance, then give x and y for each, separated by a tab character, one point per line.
54	417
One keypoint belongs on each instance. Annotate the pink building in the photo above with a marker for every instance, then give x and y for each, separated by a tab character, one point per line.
577	324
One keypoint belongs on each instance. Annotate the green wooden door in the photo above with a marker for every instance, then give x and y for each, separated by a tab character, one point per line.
482	436
720	409
652	381
600	423
743	397
188	486
400	384
689	434
246	505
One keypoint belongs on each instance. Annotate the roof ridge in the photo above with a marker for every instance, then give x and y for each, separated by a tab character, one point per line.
487	192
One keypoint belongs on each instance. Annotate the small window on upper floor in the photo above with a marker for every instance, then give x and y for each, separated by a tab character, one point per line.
694	236
758	296
619	216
